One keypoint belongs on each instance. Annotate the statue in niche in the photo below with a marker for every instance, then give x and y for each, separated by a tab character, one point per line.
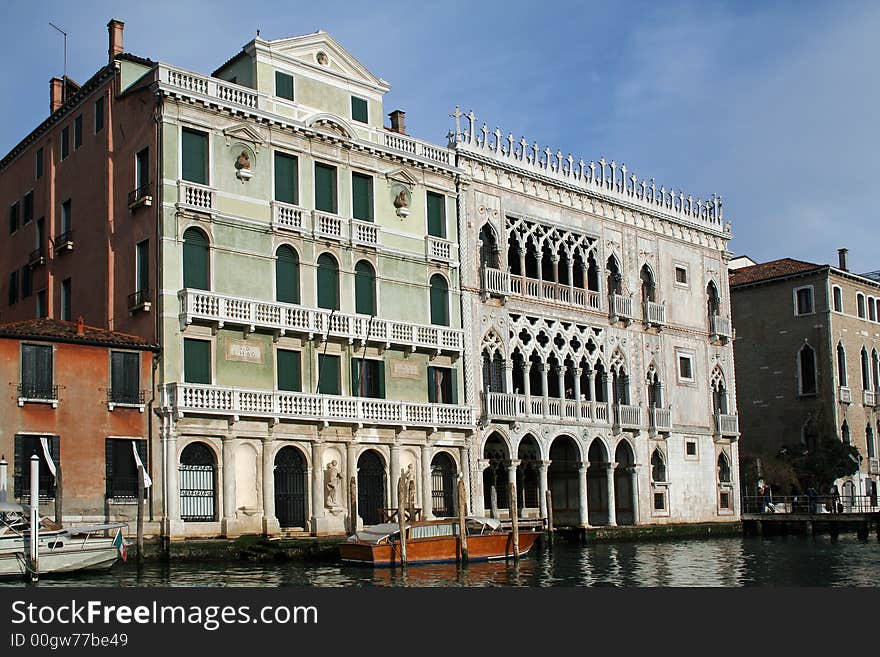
243	161
401	202
243	166
332	477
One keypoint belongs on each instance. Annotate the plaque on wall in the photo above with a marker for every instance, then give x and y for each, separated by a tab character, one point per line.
404	369
245	352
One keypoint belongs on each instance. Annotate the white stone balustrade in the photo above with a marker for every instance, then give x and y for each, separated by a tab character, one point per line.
437	248
845	394
364	233
210	88
721	326
726	424
326	225
655	313
503	283
660	420
869	397
627	416
417	148
288	217
621	306
183	398
221	309
512	407
196	197
606	180
873	465
496	282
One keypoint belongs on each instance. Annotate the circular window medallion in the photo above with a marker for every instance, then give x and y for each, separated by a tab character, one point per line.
322	58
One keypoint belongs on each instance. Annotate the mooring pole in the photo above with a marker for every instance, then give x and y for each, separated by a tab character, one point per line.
353	504
462	522
514	520
140	516
493	501
550	528
35	518
401	521
59	496
3	470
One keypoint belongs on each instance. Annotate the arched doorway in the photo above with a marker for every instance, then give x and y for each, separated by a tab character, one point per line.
623	484
597	483
443	485
527	477
290	487
495	475
562	479
286	274
371	487
198	479
196	260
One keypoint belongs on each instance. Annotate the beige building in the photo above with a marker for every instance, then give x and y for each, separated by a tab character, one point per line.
807	343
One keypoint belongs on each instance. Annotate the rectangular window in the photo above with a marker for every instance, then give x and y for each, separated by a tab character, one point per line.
39	163
837	298
77	132
685	367
66	313
42	308
860	304
142	267
325	188
13	288
65	142
99	115
362	197
681	275
14	211
690	448
194	156
142	172
125	378
66	217
436	215
25	447
27	282
283	85
442	388
196	361
724	500
359	110
28	213
36	372
289	365
286	178
368	378
121	473
329	375
659	501
804	301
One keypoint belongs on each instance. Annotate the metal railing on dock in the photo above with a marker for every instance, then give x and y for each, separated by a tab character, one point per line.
811	504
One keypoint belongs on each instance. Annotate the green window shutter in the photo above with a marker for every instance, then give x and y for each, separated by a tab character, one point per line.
362	197
325	188
453	386
142	256
286	275
43	367
117	374
283	85
432	386
380	379
328	282
356	378
196	361
328	370
289	370
436	215
108	466
359	109
194	156
439	301
286	178
195	260
364	288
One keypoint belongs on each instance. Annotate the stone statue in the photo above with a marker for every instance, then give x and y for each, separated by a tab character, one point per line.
243	161
332	477
401	200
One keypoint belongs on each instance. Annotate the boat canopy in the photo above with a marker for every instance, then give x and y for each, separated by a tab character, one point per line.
376	533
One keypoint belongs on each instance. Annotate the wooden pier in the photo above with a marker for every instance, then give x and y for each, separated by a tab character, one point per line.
758	524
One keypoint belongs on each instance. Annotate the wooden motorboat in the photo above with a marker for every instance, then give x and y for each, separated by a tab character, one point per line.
435	541
93	547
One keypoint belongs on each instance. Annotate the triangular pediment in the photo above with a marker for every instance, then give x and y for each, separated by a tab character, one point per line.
243	132
401	176
320	51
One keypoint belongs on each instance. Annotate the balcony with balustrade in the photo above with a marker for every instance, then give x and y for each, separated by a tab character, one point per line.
627	418
195	197
873	465
654	314
659	420
502	283
437	248
621	308
182	399
221	310
726	425
869	398
495	283
844	394
509	407
721	328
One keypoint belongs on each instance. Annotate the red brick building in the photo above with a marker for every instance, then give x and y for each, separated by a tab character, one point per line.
80	397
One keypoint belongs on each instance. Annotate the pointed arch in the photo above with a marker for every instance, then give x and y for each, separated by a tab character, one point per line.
841	365
806	370
866	369
723	468
658	466
489	251
614	277
648	283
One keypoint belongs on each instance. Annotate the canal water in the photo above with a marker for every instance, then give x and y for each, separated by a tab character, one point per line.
733	561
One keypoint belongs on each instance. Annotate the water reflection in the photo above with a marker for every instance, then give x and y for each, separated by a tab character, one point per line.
735	561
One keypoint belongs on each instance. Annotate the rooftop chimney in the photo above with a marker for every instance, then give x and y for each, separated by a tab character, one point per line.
842	259
56	94
115	29
398	121
80	328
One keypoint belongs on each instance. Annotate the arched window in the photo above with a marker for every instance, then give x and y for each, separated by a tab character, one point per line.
493	372
841	364
837	299
654	387
286	275
844	433
713	300
719	392
592	273
614	277
439	300
807	370
196	260
871	310
197	476
658	467
723	469
860	304
648	285
869	441
364	288
328	282
875	368
488	248
866	370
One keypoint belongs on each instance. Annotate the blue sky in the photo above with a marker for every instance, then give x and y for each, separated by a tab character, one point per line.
774	105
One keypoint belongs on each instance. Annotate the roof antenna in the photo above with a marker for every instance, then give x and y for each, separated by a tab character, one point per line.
64	83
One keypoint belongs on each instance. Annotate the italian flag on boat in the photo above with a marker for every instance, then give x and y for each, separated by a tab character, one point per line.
120	544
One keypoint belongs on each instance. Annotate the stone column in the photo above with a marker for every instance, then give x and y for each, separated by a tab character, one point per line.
542	486
522	265
427	502
544	394
571	279
577	392
612	512
583	507
350	471
394	475
317	484
634	483
173	523
508	375
560	378
227	476
527	385
591	389
270	521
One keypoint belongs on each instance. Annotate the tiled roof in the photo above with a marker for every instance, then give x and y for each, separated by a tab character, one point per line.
56	329
768	270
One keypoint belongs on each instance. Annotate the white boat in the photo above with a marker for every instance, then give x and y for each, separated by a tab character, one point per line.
93	547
